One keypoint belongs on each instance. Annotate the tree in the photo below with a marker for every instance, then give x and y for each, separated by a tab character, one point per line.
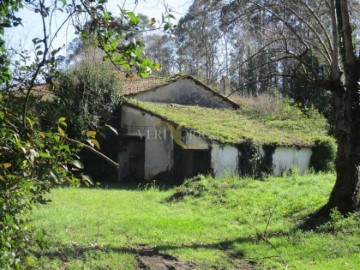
199	41
295	31
35	159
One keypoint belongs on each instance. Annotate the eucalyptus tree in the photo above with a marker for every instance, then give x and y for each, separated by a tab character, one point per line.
199	41
295	33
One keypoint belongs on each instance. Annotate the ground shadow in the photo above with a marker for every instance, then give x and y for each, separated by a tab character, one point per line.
71	252
140	186
315	220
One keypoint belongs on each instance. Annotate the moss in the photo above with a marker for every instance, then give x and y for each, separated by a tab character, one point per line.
235	126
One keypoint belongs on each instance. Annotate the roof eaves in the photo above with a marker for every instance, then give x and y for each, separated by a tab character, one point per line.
209	137
175	124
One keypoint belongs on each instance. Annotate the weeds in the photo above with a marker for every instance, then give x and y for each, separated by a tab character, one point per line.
215	223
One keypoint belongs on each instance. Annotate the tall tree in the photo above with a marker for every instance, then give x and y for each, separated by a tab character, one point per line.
297	29
199	41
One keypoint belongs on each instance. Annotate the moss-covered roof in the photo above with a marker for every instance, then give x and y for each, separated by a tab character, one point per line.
235	126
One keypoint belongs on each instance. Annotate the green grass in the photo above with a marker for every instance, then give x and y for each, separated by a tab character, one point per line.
291	127
216	223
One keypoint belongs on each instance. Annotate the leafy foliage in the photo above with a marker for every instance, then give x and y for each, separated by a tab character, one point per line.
34	158
32	162
7	19
252	162
86	96
323	157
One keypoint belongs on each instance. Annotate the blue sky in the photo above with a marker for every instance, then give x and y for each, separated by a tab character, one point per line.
20	38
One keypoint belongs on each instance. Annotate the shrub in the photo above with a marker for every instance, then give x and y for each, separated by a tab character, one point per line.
252	163
87	96
323	155
31	163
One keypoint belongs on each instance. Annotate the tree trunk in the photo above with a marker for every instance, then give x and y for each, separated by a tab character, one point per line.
345	195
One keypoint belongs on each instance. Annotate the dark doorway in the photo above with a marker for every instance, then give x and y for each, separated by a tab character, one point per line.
190	162
132	159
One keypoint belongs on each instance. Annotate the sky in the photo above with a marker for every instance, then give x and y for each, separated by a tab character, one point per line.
20	38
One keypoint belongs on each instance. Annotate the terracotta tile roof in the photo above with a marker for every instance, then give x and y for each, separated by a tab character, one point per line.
41	90
134	84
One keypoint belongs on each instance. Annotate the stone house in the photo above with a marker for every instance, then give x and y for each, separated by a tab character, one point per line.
173	129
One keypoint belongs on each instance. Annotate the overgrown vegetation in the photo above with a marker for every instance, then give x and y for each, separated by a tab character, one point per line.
216	223
252	162
86	96
288	125
323	155
31	163
35	158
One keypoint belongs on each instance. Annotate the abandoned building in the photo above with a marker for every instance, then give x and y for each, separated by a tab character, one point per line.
177	129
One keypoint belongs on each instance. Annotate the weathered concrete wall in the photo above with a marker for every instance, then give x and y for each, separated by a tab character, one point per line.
224	159
157	138
195	141
285	158
158	149
133	121
185	92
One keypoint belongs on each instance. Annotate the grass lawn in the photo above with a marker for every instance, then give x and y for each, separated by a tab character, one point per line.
217	224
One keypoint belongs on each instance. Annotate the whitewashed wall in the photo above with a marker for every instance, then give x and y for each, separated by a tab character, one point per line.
224	159
159	144
158	148
285	158
195	141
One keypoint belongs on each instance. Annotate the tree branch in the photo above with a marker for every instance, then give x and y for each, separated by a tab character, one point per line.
94	151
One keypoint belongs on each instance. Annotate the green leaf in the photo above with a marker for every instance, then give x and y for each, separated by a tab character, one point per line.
61	132
54	177
132	17
30	122
90	134
152	21
77	164
95	143
170	16
87	179
144	74
112	129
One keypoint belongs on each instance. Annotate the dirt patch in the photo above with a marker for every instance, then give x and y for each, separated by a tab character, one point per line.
151	259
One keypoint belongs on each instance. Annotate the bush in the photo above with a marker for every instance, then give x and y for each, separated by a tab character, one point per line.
252	163
87	96
31	163
323	155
